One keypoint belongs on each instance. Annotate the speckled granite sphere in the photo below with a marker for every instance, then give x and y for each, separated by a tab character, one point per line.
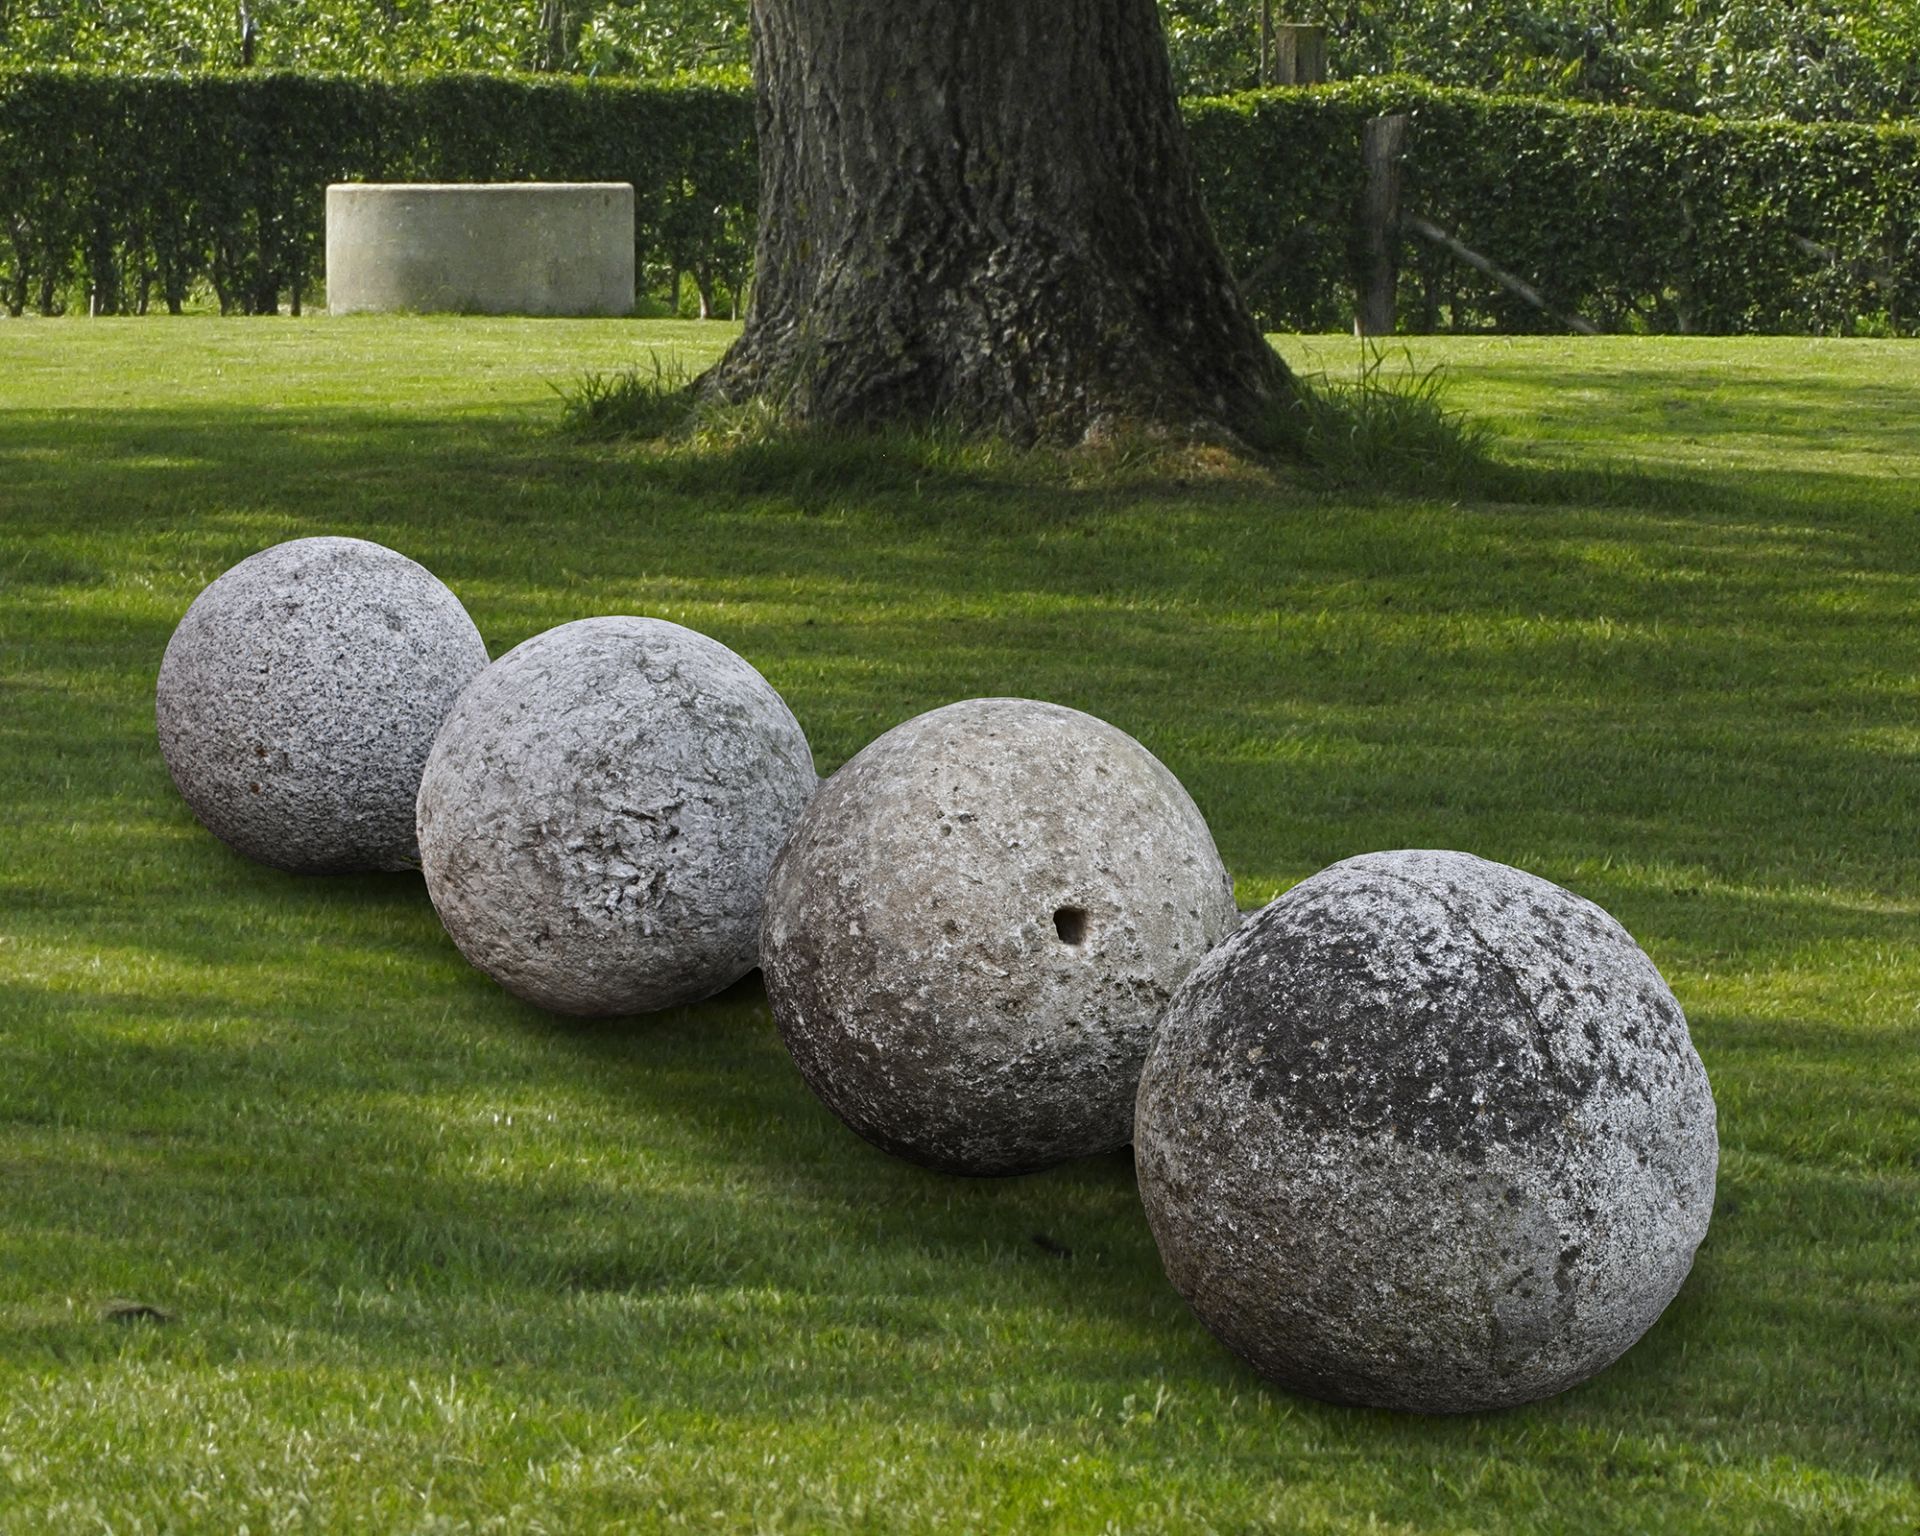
600	811
299	695
972	933
1427	1133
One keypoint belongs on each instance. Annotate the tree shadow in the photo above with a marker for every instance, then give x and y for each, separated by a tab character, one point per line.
697	1173
1670	692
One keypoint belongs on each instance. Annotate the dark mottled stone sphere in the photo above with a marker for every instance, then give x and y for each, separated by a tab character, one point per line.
1427	1133
298	697
600	810
972	932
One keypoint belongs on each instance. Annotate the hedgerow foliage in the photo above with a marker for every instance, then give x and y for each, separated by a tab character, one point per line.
651	39
128	192
1801	59
135	188
1634	219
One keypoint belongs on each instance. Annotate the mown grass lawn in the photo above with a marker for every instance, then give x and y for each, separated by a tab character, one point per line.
432	1261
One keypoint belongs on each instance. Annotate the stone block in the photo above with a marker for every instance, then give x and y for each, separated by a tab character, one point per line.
528	248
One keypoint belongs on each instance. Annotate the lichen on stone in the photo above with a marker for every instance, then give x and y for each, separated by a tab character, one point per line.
1429	1132
973	930
298	697
600	812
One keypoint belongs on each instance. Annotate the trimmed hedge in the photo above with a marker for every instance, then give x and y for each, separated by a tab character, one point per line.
1632	219
128	190
125	192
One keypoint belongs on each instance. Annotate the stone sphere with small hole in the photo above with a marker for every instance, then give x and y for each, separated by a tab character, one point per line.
1428	1133
599	813
974	929
298	697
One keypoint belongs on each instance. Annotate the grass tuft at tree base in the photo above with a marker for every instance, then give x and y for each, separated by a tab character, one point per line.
1385	430
750	448
645	404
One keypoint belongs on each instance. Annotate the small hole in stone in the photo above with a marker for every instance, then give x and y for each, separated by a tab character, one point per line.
1071	924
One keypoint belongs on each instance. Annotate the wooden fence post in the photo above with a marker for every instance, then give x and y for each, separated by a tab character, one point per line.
1383	141
1299	54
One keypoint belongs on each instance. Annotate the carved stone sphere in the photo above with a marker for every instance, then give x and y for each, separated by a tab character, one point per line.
1428	1133
973	930
599	813
298	697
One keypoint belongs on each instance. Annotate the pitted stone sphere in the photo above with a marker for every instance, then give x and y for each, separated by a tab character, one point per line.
973	930
1427	1133
298	697
600	811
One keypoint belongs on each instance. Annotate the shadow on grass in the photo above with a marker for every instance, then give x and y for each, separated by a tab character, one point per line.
1812	412
295	1091
678	1165
361	456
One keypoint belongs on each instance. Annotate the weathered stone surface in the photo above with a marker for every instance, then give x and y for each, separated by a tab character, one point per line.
298	697
600	811
973	930
487	248
1427	1133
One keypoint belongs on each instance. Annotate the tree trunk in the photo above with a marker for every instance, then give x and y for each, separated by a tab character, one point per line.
983	213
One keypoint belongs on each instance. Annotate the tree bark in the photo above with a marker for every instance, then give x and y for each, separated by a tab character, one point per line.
983	213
